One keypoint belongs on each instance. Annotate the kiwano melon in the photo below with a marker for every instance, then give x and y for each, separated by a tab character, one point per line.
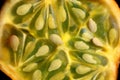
60	39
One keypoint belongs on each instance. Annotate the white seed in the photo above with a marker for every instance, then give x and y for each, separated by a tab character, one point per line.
81	45
39	24
23	9
37	75
112	35
30	67
87	36
51	22
62	14
14	42
97	42
82	69
92	25
89	58
56	64
56	39
79	13
43	50
58	76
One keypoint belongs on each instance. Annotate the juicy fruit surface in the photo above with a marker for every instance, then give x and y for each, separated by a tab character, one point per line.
60	40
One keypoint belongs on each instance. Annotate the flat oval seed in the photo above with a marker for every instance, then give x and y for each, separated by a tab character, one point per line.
89	58
82	69
37	75
30	67
92	25
39	24
56	64
79	13
97	42
58	76
43	50
62	14
14	42
23	9
51	22
56	39
87	36
81	45
112	35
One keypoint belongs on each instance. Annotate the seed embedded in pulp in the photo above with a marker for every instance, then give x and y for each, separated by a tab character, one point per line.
97	42
23	9
82	69
112	35
14	42
92	25
37	75
58	76
79	13
81	45
89	58
63	15
43	50
87	36
56	64
76	2
30	67
30	59
39	24
51	22
29	47
56	39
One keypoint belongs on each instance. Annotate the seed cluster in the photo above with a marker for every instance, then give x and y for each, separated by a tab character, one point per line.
43	51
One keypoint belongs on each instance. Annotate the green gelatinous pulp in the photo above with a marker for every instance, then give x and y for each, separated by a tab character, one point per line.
74	22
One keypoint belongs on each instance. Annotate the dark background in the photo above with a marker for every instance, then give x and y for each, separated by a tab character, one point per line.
4	77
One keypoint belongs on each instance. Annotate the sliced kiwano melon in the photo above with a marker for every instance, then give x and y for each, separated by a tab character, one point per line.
60	39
